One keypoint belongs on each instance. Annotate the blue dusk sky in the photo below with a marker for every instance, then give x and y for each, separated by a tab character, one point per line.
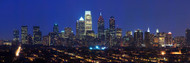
166	15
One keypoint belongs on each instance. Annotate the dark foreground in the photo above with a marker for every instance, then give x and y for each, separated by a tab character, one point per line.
43	54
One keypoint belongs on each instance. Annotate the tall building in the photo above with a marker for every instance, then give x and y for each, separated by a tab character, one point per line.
112	26
147	38
29	39
62	34
24	33
187	34
169	39
161	39
80	28
138	37
16	37
101	27
180	41
46	40
128	39
68	32
37	35
55	28
128	33
88	21
118	33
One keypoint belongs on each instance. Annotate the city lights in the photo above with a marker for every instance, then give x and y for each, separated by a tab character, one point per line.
18	51
163	52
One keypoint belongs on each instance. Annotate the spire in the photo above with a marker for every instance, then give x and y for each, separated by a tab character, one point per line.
148	30
100	13
81	19
157	30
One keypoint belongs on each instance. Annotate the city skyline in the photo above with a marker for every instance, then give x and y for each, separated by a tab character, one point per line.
149	15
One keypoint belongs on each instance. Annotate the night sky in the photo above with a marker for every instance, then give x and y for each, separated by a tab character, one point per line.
166	15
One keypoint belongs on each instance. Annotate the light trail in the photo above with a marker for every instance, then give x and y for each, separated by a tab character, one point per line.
18	51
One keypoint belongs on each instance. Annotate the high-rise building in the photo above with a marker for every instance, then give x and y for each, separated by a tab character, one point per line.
53	38
88	21
147	38
68	32
187	34
55	28
180	41
46	40
169	39
128	33
37	35
16	37
62	34
118	33
128	39
24	33
29	39
112	26
101	27
161	39
138	37
80	28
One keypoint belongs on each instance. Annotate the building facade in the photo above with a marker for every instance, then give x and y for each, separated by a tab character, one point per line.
24	33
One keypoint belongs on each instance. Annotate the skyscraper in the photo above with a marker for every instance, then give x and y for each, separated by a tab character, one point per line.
112	26
88	21
169	39
118	33
68	32
55	28
80	28
128	39
16	37
187	34
138	37
147	38
24	33
37	35
101	27
128	33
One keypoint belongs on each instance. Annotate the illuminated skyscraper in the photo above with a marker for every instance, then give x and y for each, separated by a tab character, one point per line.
68	32
62	34
29	39
128	33
101	27
187	34
55	28
80	28
37	35
16	37
112	26
180	41
162	39
138	37
169	39
147	38
88	21
46	40
24	33
128	39
118	33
